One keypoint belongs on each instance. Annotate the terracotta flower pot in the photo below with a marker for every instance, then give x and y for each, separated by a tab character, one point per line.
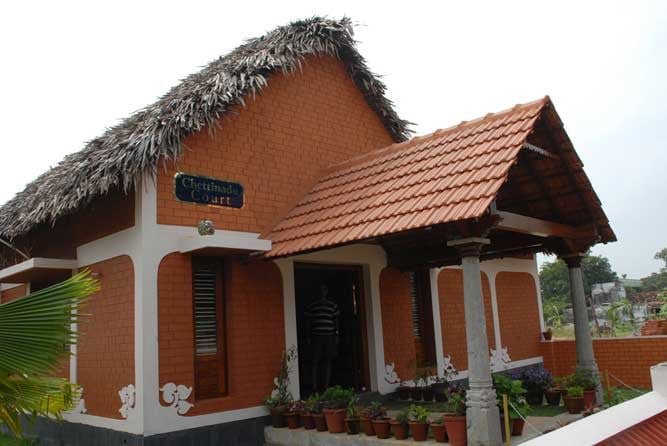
404	393
278	417
517	426
335	420
399	429
367	426
589	399
439	433
352	425
552	396
457	429
427	393
292	420
308	422
419	430
320	422
416	393
547	335
381	427
574	404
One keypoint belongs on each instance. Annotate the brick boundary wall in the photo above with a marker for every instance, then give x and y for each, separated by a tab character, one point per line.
629	359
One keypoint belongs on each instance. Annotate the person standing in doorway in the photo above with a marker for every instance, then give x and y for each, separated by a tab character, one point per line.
322	319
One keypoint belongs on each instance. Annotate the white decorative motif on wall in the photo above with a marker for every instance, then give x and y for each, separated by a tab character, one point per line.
390	374
448	367
499	359
176	396
127	397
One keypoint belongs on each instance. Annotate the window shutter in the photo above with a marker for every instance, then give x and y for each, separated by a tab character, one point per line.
206	309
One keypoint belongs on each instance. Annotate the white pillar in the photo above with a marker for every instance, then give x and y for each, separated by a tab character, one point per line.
483	416
582	331
286	267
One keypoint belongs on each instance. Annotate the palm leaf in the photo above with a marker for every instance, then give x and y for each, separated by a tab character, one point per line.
34	334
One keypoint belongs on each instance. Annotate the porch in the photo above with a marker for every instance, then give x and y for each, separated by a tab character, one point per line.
506	186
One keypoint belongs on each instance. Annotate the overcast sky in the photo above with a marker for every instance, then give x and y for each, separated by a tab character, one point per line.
71	70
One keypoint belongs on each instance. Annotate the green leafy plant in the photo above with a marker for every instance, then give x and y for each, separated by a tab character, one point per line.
281	395
314	404
585	378
513	388
352	409
337	397
374	410
418	413
456	404
403	416
33	331
575	391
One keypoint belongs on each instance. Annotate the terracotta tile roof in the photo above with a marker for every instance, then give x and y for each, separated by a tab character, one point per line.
652	431
449	175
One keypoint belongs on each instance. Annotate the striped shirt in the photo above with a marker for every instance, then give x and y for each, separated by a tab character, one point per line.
322	314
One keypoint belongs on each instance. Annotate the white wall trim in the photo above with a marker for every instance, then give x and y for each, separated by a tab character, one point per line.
37	262
9	286
433	274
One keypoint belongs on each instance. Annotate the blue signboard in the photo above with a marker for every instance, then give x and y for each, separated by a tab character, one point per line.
209	191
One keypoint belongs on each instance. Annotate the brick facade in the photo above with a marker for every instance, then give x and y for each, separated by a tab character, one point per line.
276	147
452	316
518	314
105	359
255	335
628	359
399	340
11	294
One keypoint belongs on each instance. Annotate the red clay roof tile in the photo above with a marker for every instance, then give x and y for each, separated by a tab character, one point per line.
451	174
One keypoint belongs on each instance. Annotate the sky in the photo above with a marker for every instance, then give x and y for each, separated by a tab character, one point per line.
70	70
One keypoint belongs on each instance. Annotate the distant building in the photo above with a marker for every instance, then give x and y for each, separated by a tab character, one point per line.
606	293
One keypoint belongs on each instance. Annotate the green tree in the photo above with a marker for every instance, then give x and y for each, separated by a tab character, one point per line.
657	281
34	331
661	255
555	281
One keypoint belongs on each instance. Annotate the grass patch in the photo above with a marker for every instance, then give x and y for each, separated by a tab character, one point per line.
546	410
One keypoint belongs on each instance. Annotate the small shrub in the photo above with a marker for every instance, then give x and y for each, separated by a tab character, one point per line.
418	413
337	397
575	391
403	416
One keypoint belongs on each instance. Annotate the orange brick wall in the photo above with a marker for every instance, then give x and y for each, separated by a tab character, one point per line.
452	316
255	330
629	359
399	340
276	147
518	314
105	360
12	294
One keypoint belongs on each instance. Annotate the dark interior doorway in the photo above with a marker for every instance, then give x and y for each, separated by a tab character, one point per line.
345	287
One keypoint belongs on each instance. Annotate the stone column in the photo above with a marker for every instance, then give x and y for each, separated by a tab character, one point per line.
483	417
582	331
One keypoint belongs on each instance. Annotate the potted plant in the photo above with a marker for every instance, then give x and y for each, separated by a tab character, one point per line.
439	431
352	419
418	421
381	426
588	380
311	408
515	391
336	399
574	399
399	424
404	391
370	413
281	397
455	418
293	414
548	334
416	392
552	395
535	380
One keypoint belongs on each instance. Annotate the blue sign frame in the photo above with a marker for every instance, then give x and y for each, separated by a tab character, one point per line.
207	191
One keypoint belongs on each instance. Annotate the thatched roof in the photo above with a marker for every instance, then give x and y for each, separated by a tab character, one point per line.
137	145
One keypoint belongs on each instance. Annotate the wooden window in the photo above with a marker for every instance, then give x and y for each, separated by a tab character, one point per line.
422	316
209	327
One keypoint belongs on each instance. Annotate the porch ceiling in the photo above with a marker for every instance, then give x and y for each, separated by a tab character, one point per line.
513	177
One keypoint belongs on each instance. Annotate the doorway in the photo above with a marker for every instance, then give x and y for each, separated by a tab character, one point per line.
344	286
